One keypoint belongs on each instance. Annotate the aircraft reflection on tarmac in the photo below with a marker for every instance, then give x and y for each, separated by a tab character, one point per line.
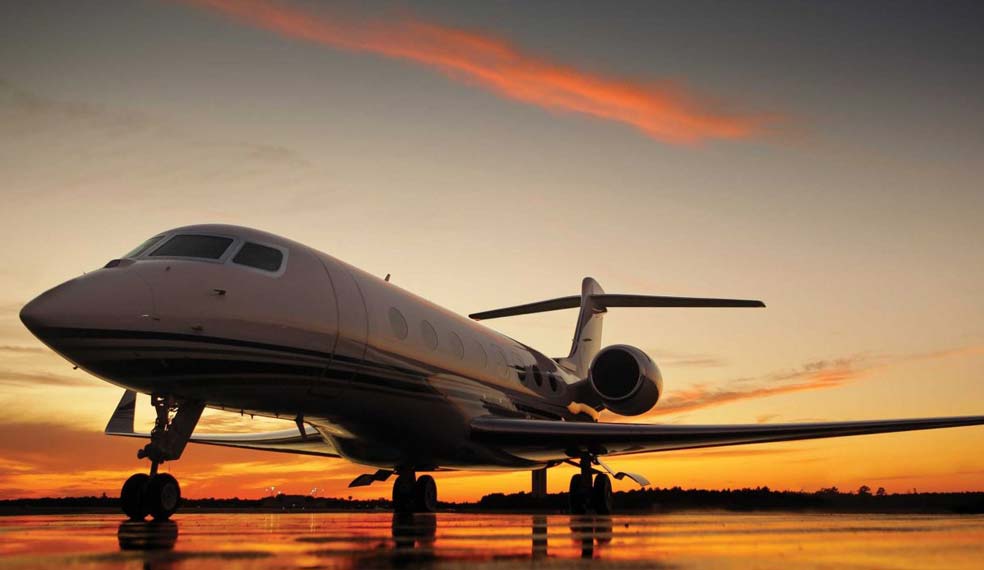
413	536
141	535
378	540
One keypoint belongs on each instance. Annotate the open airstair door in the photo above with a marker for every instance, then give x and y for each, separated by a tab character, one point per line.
594	303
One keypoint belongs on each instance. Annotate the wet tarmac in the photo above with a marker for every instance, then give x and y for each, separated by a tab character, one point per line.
382	540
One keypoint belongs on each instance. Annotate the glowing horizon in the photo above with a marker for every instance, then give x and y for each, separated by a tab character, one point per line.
490	154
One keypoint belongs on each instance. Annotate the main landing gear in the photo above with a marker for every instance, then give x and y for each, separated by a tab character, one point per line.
590	490
412	494
158	494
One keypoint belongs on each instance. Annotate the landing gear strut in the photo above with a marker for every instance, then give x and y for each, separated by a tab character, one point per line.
590	490
158	494
412	494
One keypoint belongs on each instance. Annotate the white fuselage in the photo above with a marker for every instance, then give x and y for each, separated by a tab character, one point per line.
387	378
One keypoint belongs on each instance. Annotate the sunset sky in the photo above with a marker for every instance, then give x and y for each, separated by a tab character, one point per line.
825	157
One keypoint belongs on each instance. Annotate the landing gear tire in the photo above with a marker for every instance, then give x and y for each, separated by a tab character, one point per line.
404	493
601	494
578	494
131	496
162	496
425	495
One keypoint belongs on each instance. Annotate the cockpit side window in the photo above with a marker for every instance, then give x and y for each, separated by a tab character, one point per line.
204	247
144	246
259	256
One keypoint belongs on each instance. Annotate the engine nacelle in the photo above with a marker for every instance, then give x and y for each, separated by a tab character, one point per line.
626	379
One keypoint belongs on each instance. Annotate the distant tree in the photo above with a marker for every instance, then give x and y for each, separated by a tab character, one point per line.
880	492
864	491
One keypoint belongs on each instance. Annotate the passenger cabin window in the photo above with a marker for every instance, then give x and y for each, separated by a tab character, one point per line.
456	345
480	355
259	256
144	246
429	334
204	247
398	323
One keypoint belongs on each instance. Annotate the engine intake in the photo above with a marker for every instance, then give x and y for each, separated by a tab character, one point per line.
626	379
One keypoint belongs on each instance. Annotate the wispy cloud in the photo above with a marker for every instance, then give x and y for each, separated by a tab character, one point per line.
14	349
20	379
688	359
114	138
814	375
662	109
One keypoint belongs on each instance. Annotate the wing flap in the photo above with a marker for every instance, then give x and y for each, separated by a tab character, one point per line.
621	438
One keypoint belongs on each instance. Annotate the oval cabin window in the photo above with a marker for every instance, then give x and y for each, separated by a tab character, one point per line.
429	335
480	356
397	323
501	368
456	347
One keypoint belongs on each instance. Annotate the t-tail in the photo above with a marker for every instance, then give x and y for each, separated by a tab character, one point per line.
594	303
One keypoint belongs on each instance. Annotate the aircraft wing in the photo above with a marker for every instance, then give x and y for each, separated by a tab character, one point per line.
541	436
283	441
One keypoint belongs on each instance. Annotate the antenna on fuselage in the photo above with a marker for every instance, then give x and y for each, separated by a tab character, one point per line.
387	278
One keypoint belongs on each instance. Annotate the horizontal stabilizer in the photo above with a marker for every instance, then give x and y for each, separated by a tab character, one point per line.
605	300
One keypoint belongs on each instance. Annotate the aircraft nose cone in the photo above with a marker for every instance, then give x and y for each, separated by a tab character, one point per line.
31	315
40	312
111	298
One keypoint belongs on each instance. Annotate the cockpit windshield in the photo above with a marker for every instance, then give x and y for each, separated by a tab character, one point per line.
204	247
144	246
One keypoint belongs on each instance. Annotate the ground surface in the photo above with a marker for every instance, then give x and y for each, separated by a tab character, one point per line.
379	540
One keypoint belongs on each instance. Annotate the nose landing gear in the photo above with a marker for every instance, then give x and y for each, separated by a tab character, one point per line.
158	494
155	495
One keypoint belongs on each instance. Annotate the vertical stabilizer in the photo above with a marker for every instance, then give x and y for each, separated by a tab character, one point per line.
587	334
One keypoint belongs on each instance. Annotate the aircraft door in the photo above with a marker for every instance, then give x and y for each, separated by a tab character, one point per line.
353	330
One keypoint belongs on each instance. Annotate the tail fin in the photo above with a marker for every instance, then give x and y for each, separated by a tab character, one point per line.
587	333
594	303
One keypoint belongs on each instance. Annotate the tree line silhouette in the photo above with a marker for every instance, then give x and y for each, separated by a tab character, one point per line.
649	500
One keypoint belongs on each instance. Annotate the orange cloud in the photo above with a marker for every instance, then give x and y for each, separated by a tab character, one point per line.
661	110
815	375
811	376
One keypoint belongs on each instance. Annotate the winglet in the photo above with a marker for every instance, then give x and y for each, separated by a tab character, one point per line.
121	421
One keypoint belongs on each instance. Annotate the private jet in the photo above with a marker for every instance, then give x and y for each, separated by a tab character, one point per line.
243	321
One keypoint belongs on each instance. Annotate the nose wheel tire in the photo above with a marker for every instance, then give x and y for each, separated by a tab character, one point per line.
131	496
162	496
158	496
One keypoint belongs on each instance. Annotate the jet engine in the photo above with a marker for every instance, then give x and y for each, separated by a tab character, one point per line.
626	379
